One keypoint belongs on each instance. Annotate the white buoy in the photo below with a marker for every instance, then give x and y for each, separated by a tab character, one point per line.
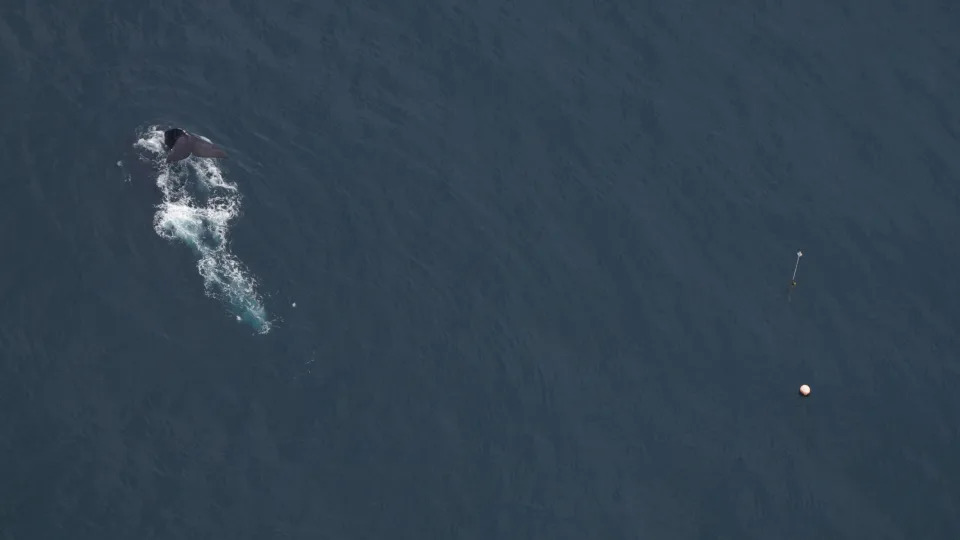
804	390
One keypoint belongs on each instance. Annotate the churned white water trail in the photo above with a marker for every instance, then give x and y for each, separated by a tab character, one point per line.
197	208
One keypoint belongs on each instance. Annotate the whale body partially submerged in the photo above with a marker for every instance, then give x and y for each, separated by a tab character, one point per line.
180	145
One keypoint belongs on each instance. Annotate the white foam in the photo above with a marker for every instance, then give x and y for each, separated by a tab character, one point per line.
197	208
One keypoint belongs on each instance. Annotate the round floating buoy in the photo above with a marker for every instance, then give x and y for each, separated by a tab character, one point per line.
804	390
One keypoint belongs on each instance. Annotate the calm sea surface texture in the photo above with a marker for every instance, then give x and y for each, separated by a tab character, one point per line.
480	270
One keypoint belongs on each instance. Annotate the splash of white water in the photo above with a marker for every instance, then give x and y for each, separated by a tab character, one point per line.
197	208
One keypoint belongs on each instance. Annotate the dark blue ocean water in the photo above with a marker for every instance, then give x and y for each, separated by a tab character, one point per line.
539	253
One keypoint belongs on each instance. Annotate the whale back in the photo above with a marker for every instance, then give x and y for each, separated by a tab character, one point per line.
171	136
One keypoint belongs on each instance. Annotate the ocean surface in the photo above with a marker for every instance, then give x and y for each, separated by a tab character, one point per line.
480	270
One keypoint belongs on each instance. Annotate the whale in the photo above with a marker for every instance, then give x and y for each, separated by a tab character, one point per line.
181	144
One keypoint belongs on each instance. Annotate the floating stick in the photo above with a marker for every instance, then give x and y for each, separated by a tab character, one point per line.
793	280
